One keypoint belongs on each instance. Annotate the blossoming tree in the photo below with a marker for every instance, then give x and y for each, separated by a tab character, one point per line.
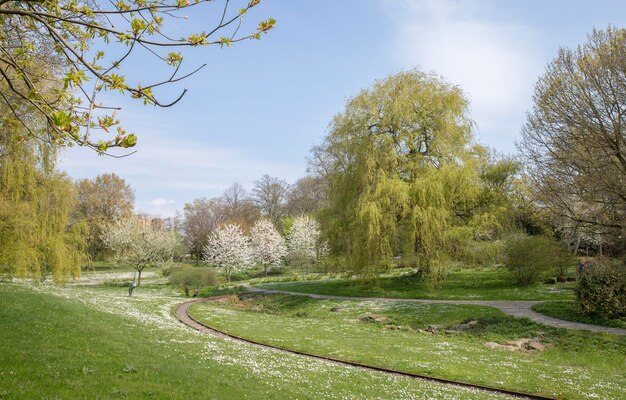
267	245
228	248
304	242
136	242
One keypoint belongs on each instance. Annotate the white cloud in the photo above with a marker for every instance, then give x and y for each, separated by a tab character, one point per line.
495	61
161	202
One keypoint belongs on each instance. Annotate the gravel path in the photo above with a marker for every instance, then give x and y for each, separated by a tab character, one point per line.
514	308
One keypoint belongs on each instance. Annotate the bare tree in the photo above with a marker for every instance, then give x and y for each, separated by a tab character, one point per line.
238	207
574	141
306	196
200	218
270	195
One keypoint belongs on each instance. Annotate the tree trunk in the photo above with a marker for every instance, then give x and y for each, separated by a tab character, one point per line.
600	249
139	277
577	245
228	276
265	268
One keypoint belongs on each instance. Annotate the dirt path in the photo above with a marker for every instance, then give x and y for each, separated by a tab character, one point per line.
182	314
514	308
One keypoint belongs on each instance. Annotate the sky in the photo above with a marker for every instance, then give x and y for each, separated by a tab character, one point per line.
259	106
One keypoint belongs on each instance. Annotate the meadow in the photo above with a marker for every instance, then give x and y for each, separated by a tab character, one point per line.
90	340
573	365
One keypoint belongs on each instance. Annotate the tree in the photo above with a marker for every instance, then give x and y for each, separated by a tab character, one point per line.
306	196
304	242
77	33
269	194
37	235
574	141
229	249
137	243
101	201
402	171
267	245
200	218
238	207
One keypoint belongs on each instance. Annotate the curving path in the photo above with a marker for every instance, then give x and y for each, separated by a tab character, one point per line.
182	314
514	308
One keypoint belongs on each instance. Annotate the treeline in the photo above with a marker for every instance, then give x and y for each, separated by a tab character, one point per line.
399	179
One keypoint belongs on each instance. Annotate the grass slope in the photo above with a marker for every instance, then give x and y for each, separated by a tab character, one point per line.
68	343
472	284
575	365
569	311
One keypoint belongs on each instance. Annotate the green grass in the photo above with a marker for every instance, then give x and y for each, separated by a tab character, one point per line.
569	311
465	284
93	342
575	365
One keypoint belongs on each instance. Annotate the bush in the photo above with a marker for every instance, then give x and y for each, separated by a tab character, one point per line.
192	279
529	259
601	289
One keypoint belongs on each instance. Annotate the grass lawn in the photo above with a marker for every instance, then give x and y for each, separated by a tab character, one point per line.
568	310
574	365
465	284
93	342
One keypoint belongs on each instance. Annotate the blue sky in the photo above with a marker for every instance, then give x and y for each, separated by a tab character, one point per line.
259	106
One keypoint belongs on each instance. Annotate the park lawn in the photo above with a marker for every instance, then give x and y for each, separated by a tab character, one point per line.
93	342
574	365
569	311
463	284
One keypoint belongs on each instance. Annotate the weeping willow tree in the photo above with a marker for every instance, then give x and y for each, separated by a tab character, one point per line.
37	237
403	174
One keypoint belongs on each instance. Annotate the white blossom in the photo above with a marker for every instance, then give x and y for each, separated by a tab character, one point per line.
267	245
228	248
304	243
136	242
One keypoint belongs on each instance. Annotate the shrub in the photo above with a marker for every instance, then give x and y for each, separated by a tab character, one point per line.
530	258
192	279
601	289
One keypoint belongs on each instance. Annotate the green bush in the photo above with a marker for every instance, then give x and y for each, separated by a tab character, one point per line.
601	289
192	279
531	259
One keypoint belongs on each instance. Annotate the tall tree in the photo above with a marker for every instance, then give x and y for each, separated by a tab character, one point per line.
270	194
37	236
238	207
402	171
574	141
102	201
306	196
200	218
93	42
